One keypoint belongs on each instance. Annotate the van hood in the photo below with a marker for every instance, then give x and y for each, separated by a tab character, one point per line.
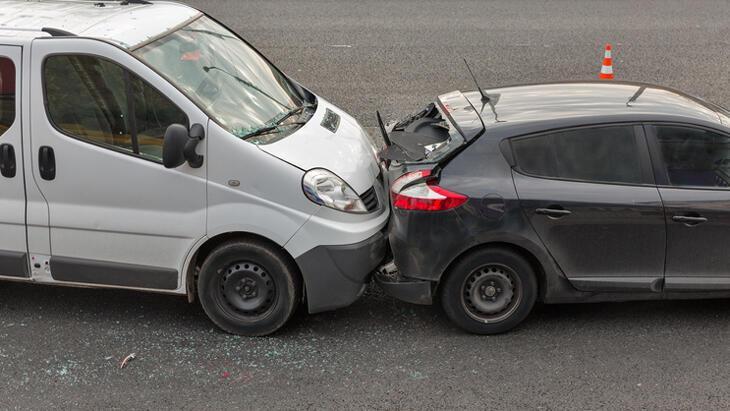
332	140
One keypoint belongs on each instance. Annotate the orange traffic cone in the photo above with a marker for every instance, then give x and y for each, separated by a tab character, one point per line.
607	67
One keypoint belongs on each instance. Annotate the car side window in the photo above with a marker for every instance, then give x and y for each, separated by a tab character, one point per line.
694	157
98	101
598	154
7	94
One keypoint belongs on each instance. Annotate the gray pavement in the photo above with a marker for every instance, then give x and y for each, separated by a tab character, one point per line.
60	347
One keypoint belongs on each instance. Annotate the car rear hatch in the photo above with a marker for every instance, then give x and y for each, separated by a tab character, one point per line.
424	143
434	134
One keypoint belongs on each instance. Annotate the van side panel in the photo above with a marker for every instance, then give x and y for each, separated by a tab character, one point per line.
108	209
252	191
13	245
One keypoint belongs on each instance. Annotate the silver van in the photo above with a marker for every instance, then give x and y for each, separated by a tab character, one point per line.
143	145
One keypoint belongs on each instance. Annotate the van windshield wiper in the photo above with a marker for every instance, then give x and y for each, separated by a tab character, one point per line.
278	124
248	84
212	33
292	112
270	129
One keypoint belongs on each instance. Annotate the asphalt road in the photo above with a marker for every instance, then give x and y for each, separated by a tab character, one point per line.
61	347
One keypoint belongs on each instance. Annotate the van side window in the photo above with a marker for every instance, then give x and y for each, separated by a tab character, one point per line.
153	113
694	157
86	98
98	101
600	154
7	94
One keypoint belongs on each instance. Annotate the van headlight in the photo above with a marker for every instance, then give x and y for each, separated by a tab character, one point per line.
324	188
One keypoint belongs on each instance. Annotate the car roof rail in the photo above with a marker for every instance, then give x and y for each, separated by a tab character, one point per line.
57	32
102	3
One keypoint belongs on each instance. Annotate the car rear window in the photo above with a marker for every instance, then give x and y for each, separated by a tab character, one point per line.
598	154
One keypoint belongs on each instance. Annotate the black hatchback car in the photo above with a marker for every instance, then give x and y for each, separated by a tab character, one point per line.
563	192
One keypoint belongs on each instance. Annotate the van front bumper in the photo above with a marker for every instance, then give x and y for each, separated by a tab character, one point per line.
336	275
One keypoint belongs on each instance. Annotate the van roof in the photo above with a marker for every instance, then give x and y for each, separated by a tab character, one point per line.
125	22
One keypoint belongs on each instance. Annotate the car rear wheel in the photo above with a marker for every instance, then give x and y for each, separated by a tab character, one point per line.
489	291
248	288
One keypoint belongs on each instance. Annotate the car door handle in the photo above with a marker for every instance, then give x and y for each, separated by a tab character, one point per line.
689	220
7	161
47	163
553	212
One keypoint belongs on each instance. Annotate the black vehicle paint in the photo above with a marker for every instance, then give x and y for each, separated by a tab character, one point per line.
628	219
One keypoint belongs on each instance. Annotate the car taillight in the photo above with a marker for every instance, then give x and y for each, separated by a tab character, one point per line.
418	190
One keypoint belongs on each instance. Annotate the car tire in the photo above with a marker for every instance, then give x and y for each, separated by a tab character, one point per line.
489	291
249	288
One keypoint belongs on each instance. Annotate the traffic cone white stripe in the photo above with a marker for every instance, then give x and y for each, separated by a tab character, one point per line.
607	66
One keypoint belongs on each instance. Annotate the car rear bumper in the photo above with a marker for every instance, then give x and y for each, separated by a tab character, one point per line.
336	275
405	289
424	243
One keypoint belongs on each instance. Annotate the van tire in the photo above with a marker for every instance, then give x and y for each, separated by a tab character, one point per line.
249	288
489	291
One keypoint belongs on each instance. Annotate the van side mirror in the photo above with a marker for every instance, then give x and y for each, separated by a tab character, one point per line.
179	146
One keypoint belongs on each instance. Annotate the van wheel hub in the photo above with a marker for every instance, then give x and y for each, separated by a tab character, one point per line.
490	293
247	288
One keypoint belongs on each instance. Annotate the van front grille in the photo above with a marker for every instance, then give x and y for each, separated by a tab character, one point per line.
370	199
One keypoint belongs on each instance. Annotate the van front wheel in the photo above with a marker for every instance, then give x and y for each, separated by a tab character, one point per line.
248	288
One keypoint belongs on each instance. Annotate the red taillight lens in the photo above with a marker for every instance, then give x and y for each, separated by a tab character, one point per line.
418	190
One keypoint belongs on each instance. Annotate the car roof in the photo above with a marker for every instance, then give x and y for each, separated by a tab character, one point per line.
126	23
584	102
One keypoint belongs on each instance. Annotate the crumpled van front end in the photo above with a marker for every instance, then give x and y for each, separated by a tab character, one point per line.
287	172
319	193
336	249
281	193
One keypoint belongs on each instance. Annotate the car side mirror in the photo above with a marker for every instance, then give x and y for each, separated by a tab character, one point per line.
179	146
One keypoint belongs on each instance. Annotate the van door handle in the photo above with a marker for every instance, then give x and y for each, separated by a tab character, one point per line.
553	212
689	220
47	163
7	161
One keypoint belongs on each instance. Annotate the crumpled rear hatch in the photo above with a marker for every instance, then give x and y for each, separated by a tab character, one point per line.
434	132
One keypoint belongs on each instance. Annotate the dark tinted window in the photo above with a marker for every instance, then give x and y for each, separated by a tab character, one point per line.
87	98
605	154
91	98
535	155
7	94
695	157
153	113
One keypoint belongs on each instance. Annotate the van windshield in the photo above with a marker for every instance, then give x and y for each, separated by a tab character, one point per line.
224	76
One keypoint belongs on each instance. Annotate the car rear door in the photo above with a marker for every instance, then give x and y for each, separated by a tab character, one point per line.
590	196
692	167
13	244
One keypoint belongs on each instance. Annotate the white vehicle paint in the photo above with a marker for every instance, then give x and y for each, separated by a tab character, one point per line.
110	214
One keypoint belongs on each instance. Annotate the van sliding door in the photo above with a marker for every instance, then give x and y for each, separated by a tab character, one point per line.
13	244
